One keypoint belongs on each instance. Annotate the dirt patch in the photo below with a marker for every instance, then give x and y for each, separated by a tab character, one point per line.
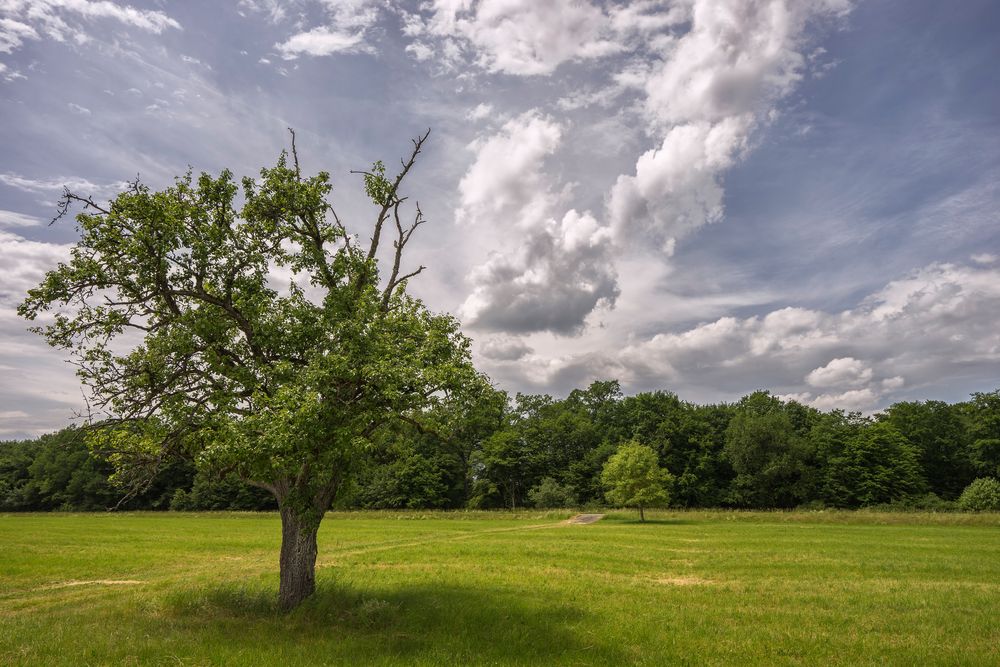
92	582
683	581
584	519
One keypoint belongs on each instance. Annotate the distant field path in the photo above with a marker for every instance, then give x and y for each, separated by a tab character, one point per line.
331	554
585	518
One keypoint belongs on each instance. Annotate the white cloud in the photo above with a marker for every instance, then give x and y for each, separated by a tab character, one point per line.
937	323
149	20
738	58
346	31
555	268
712	88
15	219
13	33
676	187
275	9
61	20
520	37
78	110
81	186
562	272
320	41
890	384
852	400
481	111
844	371
984	258
23	263
505	184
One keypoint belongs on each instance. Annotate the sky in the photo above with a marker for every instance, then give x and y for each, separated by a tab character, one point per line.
708	197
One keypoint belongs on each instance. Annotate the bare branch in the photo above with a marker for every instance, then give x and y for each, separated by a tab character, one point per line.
67	199
392	199
295	155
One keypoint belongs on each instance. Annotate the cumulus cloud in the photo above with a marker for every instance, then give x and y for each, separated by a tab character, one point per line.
562	266
563	271
739	57
712	87
843	371
505	183
676	188
937	323
520	37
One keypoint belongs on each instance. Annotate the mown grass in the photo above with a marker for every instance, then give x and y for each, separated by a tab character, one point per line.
691	588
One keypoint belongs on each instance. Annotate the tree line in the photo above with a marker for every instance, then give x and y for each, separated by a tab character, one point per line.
488	450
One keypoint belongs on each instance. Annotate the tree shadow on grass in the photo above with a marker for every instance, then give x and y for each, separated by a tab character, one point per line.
420	623
628	520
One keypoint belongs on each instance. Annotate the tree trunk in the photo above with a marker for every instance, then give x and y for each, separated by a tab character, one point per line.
642	515
298	559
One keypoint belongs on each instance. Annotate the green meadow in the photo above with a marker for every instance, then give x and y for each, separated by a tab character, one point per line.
467	588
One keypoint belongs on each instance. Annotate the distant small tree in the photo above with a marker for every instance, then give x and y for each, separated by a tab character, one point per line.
550	493
982	495
632	477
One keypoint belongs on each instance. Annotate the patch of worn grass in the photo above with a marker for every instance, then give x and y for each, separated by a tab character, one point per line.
497	588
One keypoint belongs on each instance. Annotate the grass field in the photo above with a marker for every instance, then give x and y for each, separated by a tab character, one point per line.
691	588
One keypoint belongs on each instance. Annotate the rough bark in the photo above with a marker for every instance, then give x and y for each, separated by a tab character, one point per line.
298	559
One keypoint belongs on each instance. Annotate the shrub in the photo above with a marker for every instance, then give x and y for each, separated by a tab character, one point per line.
982	495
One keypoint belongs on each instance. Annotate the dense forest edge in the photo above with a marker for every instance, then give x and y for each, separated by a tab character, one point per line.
491	452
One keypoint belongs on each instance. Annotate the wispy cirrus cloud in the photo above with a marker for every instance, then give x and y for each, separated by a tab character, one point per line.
70	21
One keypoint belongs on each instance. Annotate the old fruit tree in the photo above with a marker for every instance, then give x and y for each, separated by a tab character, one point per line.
190	345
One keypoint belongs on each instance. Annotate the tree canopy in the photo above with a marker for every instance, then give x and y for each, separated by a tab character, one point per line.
632	477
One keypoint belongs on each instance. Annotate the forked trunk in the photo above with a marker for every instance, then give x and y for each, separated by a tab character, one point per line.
298	559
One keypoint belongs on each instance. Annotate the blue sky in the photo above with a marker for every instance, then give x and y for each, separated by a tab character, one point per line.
708	197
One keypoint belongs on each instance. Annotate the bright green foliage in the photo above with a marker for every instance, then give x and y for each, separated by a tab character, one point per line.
982	495
632	477
188	346
550	493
